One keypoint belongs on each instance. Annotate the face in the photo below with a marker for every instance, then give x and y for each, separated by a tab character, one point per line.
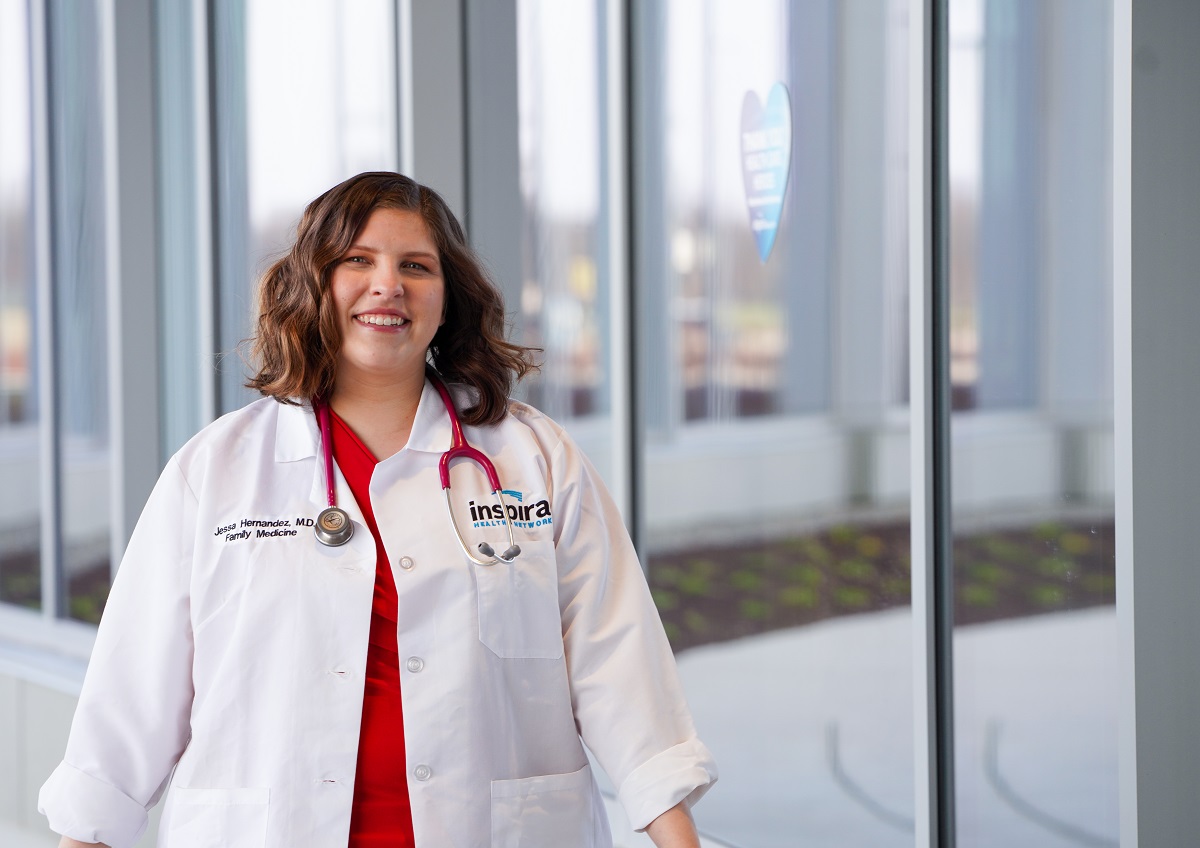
389	293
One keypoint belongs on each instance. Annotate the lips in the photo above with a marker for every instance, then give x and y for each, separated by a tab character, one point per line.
376	319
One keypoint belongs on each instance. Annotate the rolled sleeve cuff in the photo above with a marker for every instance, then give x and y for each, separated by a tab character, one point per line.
682	773
85	808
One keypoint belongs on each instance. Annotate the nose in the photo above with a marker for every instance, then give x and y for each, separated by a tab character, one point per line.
387	281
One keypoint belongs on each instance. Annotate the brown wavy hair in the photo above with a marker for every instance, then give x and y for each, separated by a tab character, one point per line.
296	342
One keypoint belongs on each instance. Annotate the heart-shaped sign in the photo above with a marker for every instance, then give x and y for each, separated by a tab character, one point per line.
766	160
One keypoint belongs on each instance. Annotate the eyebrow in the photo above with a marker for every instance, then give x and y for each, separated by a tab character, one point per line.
407	254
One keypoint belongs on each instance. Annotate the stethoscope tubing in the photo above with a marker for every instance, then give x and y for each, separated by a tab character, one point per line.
460	448
333	525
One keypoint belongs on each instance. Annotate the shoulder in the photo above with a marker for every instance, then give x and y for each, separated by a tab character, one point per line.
253	429
520	420
523	415
527	423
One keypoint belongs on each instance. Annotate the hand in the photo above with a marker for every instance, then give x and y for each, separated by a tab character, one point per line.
674	828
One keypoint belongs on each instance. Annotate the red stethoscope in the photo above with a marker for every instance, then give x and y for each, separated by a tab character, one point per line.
333	525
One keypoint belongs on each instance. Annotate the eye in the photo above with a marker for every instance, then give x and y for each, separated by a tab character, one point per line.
357	260
416	265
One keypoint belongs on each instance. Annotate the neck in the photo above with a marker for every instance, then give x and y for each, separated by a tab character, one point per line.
380	411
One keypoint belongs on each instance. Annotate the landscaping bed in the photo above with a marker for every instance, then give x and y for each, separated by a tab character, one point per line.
717	594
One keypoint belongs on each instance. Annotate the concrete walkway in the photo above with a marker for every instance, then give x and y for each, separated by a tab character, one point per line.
812	729
15	837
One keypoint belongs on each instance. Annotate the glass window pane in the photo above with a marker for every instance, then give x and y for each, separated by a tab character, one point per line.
738	338
306	97
182	293
1035	641
771	203
565	290
80	306
20	441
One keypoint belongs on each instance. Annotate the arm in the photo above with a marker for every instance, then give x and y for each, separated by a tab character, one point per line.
628	701
68	842
674	828
132	719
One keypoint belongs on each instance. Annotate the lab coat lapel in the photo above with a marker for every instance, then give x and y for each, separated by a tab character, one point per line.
431	425
297	439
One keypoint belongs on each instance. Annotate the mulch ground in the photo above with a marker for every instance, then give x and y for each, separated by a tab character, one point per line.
719	594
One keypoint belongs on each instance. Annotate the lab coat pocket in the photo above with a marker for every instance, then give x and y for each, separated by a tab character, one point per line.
218	818
552	809
518	604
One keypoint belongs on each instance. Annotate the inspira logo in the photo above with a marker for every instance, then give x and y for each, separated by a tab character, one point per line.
521	514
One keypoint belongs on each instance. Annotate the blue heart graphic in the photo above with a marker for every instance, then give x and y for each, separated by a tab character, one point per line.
766	160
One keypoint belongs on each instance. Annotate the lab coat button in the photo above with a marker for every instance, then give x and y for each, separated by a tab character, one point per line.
422	772
406	563
415	664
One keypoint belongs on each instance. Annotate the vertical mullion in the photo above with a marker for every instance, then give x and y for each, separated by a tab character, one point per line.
621	362
113	283
1122	271
205	182
925	772
634	78
942	548
932	591
48	442
406	156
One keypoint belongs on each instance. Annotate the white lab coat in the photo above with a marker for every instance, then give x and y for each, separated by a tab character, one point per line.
236	658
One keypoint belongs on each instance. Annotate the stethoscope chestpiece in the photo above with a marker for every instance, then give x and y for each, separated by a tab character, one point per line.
333	527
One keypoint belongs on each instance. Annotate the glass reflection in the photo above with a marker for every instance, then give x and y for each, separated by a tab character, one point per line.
738	325
306	97
776	479
1035	637
20	442
564	307
80	312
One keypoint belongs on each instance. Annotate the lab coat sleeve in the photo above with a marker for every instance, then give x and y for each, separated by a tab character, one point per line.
628	701
131	722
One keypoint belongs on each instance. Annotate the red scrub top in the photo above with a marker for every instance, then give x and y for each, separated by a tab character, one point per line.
382	815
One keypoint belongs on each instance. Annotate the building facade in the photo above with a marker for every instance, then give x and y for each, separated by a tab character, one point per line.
837	295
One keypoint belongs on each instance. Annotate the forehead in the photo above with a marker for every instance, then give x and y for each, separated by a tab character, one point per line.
393	228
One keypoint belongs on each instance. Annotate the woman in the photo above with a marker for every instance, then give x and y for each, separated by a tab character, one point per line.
258	669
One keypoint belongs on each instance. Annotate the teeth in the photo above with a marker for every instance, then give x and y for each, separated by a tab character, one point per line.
381	320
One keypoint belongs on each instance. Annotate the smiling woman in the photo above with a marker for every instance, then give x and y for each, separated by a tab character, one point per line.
390	299
301	331
508	665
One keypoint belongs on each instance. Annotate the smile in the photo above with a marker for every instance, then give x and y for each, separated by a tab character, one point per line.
381	320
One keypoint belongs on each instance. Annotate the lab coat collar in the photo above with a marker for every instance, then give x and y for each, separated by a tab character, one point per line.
296	433
298	437
431	426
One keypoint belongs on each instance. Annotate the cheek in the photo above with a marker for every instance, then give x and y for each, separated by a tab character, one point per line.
437	303
341	299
